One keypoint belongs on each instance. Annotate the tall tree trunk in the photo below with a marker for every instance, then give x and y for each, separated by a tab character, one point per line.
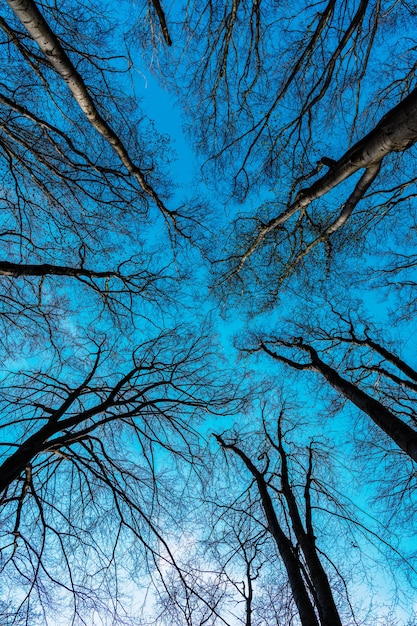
395	132
329	615
292	565
38	28
403	435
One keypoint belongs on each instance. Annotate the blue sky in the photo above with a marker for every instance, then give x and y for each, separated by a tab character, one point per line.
79	316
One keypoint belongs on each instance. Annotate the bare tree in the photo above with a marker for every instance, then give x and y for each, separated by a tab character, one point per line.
88	278
107	400
320	107
370	375
80	166
233	49
295	497
38	28
81	470
237	546
396	132
310	587
395	275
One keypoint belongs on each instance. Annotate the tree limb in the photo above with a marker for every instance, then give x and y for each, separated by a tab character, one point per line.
34	22
396	132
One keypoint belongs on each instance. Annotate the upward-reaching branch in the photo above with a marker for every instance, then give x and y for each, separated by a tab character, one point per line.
395	132
326	606
284	544
401	433
38	28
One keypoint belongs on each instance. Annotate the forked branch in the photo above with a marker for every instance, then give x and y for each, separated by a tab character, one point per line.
396	132
38	28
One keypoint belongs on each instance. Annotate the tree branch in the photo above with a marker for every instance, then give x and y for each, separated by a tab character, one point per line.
34	22
396	132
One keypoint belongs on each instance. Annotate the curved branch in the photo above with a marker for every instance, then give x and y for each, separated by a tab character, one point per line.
396	132
358	193
34	22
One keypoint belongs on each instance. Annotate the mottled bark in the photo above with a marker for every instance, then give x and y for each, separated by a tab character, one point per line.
37	27
363	184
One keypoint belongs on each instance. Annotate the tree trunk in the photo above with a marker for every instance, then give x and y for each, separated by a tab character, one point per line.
38	28
403	435
329	615
395	132
284	545
15	464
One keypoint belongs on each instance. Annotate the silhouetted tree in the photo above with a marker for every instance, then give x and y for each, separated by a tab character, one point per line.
106	398
309	583
82	464
371	376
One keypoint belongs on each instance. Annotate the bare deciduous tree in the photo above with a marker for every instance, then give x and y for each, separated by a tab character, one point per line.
309	583
108	399
373	377
82	457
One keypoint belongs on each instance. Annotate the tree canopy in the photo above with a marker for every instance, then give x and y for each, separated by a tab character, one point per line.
208	374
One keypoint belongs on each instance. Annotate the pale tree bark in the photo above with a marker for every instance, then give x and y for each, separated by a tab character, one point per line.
396	132
38	28
403	435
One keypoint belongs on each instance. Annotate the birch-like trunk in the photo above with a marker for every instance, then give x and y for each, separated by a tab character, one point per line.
38	28
395	132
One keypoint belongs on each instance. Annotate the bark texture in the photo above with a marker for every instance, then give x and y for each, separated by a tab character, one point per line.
37	27
396	132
